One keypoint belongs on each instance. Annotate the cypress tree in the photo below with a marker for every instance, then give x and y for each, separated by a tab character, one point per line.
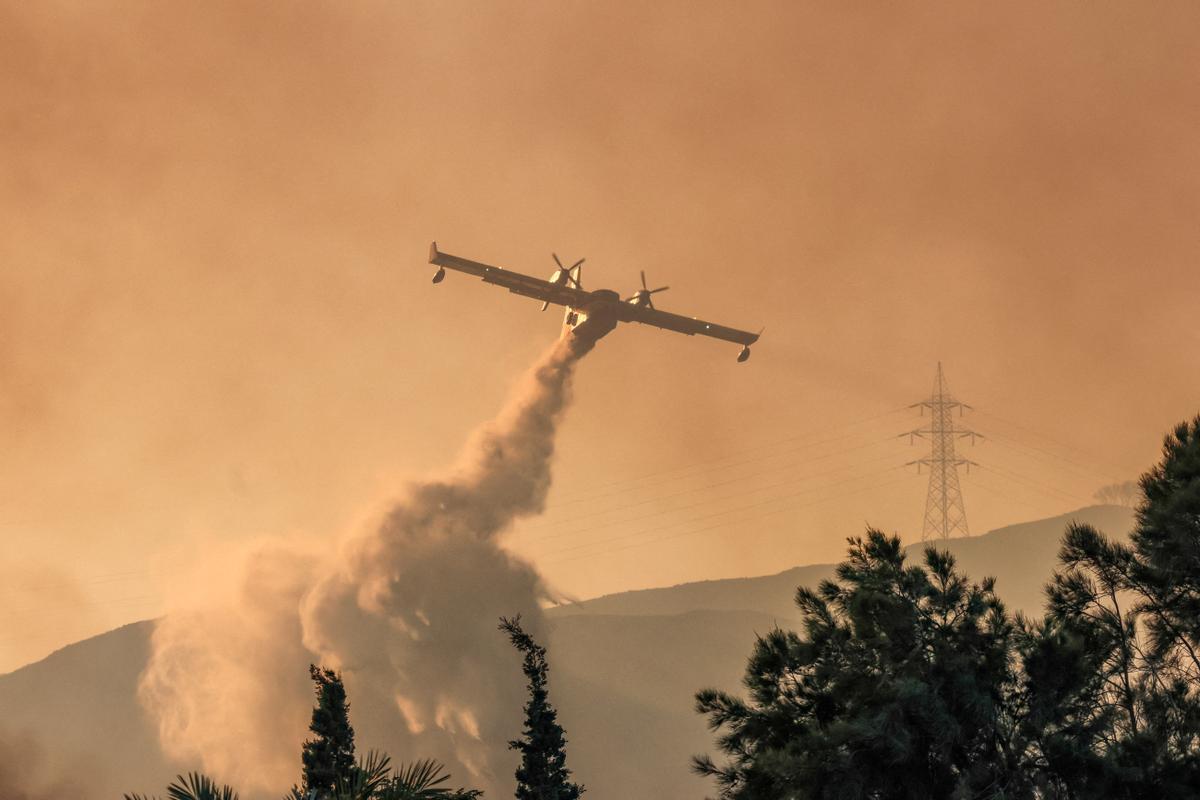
543	773
328	757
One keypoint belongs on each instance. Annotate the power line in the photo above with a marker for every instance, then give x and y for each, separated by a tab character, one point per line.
725	525
733	510
974	482
803	442
780	484
1090	457
706	487
1045	489
1046	457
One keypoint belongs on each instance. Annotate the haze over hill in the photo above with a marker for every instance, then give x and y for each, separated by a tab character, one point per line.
1018	555
625	667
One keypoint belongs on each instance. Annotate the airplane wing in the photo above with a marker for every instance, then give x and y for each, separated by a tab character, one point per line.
515	282
689	325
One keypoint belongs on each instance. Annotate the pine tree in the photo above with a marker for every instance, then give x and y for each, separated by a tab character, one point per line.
1113	674
543	773
901	687
328	757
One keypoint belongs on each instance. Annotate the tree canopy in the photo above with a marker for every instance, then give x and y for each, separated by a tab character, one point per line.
913	682
895	689
330	771
543	773
1113	673
328	757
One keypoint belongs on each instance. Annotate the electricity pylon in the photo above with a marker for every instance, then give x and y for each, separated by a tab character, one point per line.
944	511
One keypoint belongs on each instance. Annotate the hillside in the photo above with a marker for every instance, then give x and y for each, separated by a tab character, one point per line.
625	669
76	711
1018	556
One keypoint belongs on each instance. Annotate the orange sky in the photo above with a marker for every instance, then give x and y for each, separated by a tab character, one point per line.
216	322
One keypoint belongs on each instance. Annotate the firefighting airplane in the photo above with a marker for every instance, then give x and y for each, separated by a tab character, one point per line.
592	314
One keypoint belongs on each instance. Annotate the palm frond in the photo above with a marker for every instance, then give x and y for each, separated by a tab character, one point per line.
370	777
419	780
198	787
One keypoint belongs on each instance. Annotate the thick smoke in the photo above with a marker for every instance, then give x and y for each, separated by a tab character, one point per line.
407	610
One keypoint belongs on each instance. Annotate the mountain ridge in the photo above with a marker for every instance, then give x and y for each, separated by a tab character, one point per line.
643	653
770	593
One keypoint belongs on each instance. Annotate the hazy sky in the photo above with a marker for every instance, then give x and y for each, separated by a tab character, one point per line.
216	321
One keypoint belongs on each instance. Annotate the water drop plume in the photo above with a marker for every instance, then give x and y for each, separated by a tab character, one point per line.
405	607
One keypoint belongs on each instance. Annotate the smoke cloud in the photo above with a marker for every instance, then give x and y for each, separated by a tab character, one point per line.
406	609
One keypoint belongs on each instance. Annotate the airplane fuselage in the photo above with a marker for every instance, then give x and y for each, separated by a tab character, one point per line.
599	316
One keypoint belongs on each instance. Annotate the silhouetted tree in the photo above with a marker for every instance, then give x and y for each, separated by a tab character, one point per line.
421	781
1113	674
374	779
193	786
543	773
328	757
902	685
1125	493
332	753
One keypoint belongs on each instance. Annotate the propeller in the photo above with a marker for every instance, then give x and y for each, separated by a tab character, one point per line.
642	297
571	273
573	276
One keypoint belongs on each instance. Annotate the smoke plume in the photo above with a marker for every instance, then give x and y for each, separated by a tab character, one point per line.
407	609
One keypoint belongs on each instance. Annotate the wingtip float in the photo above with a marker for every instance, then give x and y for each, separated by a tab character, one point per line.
590	314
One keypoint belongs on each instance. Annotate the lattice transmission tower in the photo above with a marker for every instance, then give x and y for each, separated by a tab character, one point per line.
944	511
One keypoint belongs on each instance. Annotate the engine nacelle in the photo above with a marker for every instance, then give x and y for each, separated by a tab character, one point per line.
439	276
745	354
